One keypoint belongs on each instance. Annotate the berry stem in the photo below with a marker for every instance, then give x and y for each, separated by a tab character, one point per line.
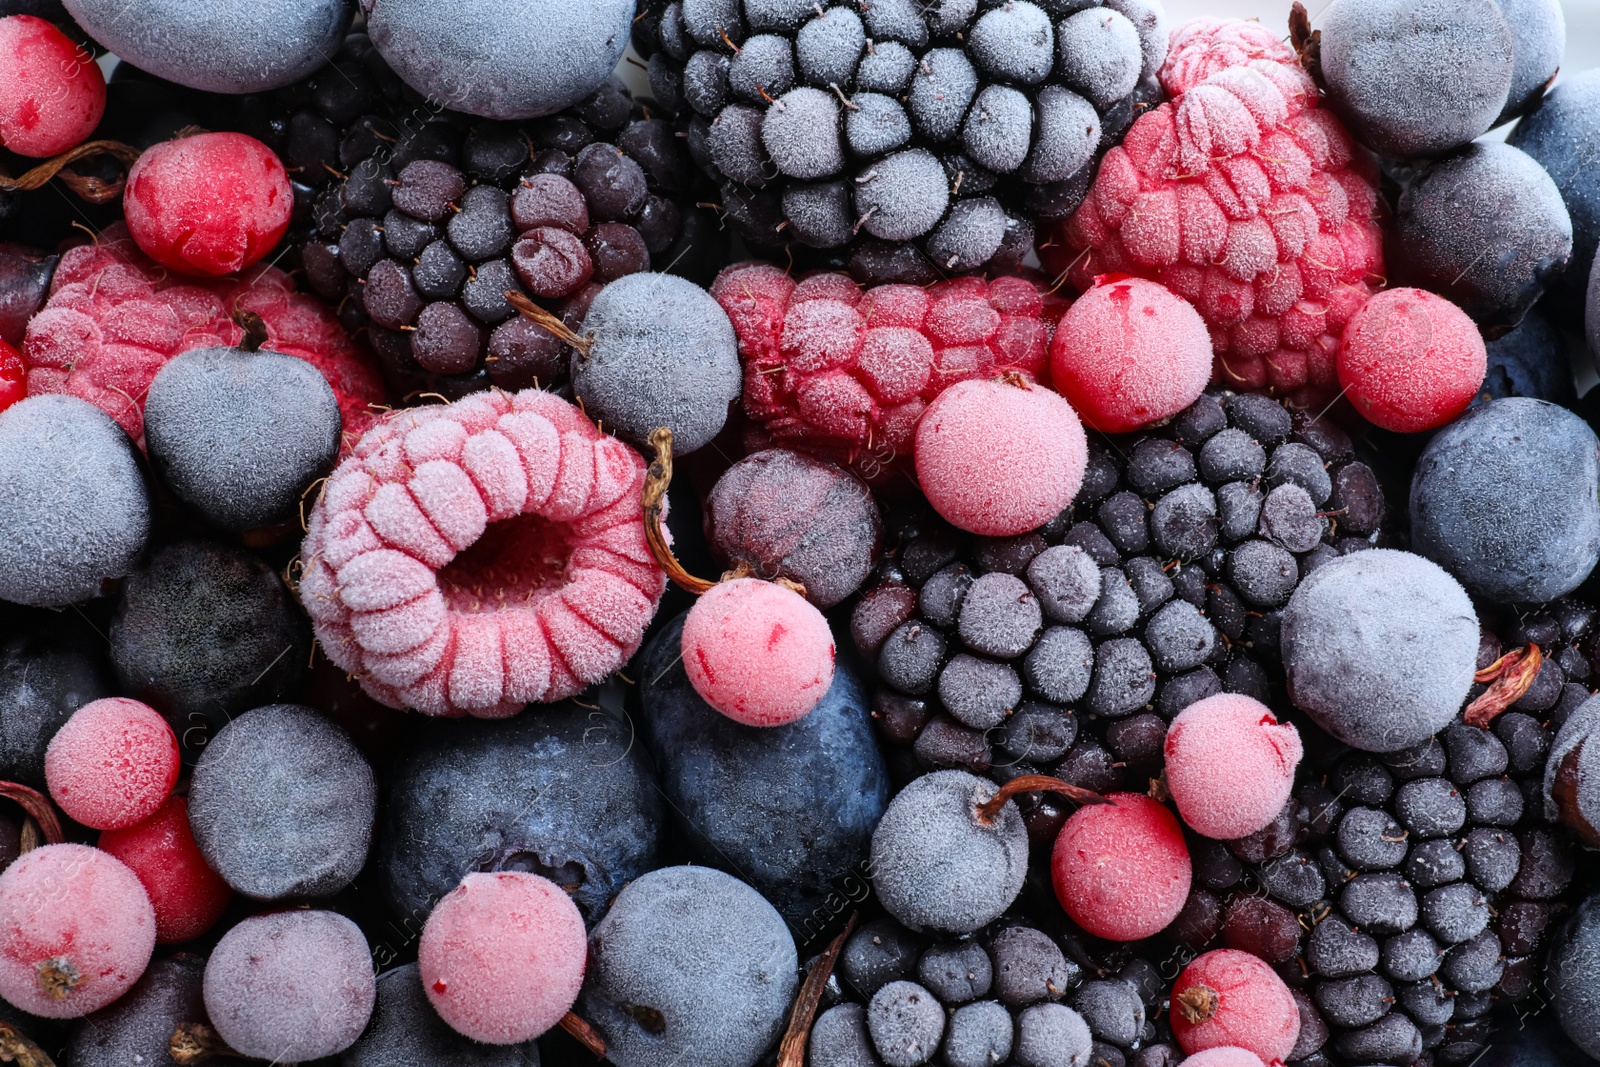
254	327
656	482
586	1035
1511	676
990	809
92	189
546	321
38	808
15	1047
792	1050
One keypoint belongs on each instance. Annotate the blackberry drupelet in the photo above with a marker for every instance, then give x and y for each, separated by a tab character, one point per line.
909	140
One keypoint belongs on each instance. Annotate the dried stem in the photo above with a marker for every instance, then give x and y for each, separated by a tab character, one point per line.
1510	676
38	808
792	1050
990	809
656	481
254	327
198	1043
87	187
584	1034
546	321
1306	42
15	1047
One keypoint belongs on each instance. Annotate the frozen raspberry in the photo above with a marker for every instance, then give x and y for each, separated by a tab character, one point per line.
1230	765
13	376
1231	998
1245	197
502	956
1000	458
1411	360
115	318
209	204
757	651
113	763
1121	870
1130	353
473	557
53	94
76	930
188	896
842	372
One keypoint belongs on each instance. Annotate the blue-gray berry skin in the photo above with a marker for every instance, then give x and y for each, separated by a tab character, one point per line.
1486	228
239	436
405	1031
791	808
137	1028
501	59
220	48
282	804
690	965
1563	134
564	791
1574	976
76	513
1416	78
1539	32
51	664
1379	648
1512	531
1591	315
662	353
204	631
1530	361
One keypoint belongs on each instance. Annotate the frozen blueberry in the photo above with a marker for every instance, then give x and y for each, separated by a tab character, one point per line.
137	1028
1379	648
76	513
406	1032
50	666
240	435
1563	134
1530	361
1511	531
501	59
658	991
1574	975
1416	78
661	352
282	804
1539	38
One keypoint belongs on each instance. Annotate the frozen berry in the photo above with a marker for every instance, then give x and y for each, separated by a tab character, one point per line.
998	458
212	203
53	95
1563	135
1224	1056
1121	869
290	986
1410	360
475	557
113	764
758	652
1128	353
407	1032
137	1029
1230	765
188	896
502	956
77	513
13	376
1228	997
76	931
906	1023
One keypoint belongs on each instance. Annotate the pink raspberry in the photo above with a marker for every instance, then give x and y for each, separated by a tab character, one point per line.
1246	197
53	94
1410	360
1230	765
474	557
758	652
114	319
1231	998
844	373
112	764
13	376
1122	869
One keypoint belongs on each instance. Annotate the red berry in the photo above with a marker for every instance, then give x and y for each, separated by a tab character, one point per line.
1230	765
1411	360
1000	459
188	896
502	956
1231	998
112	764
52	95
13	376
76	931
1224	1056
213	203
1130	353
1121	870
758	652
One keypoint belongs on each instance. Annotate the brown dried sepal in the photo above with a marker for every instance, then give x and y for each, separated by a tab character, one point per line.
1509	677
57	977
792	1050
198	1043
15	1047
990	809
1306	42
1197	1003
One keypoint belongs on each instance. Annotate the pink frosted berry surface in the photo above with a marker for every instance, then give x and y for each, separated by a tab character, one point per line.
502	956
1224	1056
474	557
1121	870
208	204
290	986
844	373
114	319
1411	360
1239	1001
998	458
757	652
76	931
112	764
1130	352
52	95
1230	765
1244	196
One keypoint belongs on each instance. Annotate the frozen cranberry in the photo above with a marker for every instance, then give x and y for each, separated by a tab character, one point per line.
1231	998
112	764
188	896
52	95
1410	360
1230	765
1121	870
758	652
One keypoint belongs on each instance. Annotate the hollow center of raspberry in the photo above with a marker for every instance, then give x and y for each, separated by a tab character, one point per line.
516	563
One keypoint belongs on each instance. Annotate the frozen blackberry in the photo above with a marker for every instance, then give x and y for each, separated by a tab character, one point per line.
908	140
